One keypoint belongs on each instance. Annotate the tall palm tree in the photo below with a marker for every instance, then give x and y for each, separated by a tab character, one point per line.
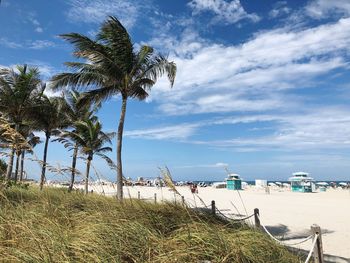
49	115
18	88
77	110
114	67
91	139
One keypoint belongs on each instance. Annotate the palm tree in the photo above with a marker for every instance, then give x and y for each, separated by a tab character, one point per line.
114	67
18	88
3	167
91	139
32	141
49	115
77	110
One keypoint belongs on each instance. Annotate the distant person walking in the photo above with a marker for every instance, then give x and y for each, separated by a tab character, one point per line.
194	189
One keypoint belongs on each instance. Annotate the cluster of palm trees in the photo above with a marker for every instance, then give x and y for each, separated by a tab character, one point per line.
26	109
111	67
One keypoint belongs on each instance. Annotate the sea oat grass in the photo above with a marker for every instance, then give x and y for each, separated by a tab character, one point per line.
56	226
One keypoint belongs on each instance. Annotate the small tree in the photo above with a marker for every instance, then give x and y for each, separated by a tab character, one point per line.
91	140
77	110
49	115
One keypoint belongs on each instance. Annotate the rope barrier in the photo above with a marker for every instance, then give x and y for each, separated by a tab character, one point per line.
234	219
281	241
312	249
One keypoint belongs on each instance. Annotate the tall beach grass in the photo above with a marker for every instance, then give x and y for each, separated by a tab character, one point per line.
56	226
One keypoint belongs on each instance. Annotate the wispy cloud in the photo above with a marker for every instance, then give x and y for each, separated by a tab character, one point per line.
29	44
319	128
228	12
8	43
323	8
35	22
280	9
86	11
40	44
215	165
164	133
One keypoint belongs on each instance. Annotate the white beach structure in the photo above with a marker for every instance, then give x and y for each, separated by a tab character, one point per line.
302	182
260	183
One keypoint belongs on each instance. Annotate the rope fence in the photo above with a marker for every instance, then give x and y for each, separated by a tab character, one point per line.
316	250
312	248
283	242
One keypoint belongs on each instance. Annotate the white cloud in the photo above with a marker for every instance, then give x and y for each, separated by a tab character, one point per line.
185	131
252	76
322	128
164	133
38	30
8	43
324	8
215	165
228	12
40	44
86	11
34	21
280	9
31	44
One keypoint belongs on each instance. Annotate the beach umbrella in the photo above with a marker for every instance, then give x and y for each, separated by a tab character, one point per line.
322	183
343	184
271	184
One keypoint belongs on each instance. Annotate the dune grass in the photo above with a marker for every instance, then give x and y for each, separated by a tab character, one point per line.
56	226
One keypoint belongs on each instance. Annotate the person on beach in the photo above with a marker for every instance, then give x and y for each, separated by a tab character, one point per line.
194	189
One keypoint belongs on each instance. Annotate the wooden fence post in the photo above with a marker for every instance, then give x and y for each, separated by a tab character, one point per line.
318	249
155	198
256	217
138	195
213	209
183	200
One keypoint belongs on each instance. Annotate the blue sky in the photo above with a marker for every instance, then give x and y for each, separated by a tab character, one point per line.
262	86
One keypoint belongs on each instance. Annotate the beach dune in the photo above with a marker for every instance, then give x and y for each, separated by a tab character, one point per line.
285	214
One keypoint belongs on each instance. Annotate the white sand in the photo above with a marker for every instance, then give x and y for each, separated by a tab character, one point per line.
289	214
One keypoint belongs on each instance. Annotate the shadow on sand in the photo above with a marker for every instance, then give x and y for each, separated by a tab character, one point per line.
282	232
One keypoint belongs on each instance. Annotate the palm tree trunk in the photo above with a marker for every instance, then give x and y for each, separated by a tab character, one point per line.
10	164
12	156
17	166
87	175
119	150
43	170
74	162
22	166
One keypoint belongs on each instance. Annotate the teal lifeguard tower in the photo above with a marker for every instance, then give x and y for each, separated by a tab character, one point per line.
302	182
233	182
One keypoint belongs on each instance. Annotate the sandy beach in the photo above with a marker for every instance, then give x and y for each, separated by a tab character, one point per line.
285	214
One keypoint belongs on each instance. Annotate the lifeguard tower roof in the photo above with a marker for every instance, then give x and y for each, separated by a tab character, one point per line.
233	176
301	174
